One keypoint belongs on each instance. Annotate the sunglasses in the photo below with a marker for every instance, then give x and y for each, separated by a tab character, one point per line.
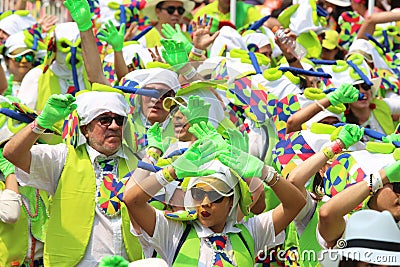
364	86
199	195
28	58
396	187
107	120
171	9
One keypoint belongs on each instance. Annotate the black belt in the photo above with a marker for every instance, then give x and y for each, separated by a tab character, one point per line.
36	263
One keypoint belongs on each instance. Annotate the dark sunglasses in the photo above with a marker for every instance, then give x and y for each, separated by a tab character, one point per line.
199	195
171	9
28	58
107	120
364	86
396	187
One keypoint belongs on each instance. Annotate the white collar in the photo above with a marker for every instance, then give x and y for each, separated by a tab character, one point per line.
93	154
205	231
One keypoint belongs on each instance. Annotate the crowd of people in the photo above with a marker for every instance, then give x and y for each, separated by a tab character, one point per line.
174	133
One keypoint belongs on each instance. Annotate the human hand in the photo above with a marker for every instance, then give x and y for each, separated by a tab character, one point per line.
174	54
46	22
199	153
80	13
154	137
350	134
131	31
205	130
238	140
346	93
6	167
176	34
246	165
391	138
202	32
56	108
112	36
196	111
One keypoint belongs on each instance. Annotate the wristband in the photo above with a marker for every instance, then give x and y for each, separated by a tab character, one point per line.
167	175
153	154
271	174
197	51
194	56
161	179
336	147
36	129
376	182
276	181
153	160
328	152
190	73
319	105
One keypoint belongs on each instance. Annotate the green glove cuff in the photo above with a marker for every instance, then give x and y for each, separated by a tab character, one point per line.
393	172
7	170
84	26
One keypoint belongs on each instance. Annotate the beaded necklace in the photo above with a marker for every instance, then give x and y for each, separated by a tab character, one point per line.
38	205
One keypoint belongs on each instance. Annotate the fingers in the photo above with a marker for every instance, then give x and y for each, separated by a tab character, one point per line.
122	28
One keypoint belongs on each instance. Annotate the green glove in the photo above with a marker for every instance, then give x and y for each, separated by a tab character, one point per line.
346	93
112	36
196	110
188	164
246	165
393	172
176	34
238	140
57	108
6	167
174	54
113	261
80	13
391	138
350	134
205	130
154	137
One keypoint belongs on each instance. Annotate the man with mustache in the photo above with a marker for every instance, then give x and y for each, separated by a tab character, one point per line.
88	219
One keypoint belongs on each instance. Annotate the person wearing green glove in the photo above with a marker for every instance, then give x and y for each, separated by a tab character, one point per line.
316	112
216	193
79	178
170	13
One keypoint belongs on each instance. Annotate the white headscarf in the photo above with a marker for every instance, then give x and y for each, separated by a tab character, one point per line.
154	75
92	104
14	42
16	23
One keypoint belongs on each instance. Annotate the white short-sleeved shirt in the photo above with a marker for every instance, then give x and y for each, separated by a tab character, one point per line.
167	234
47	163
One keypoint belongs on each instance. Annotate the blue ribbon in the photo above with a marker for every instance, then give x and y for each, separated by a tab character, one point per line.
16	115
140	35
254	62
176	152
256	25
359	72
305	72
148	167
139	91
122	15
74	71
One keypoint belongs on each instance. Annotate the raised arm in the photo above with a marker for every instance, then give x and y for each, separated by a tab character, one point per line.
370	22
116	39
80	12
17	150
346	93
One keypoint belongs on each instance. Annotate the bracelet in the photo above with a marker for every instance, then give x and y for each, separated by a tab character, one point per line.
153	160
190	73
292	60
161	179
36	129
194	56
319	105
197	51
271	174
328	152
167	175
153	154
336	147
376	182
276	180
